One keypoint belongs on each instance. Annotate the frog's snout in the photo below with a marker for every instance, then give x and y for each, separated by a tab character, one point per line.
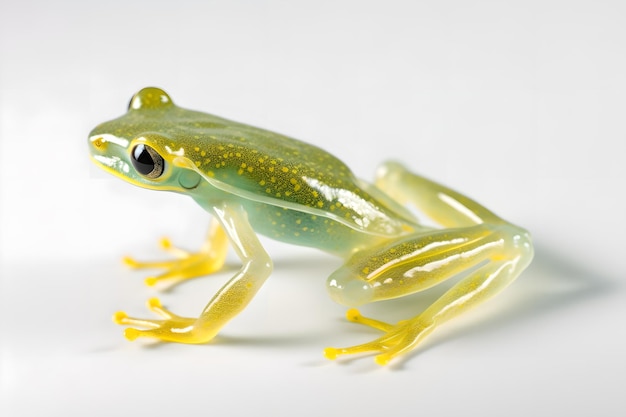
109	152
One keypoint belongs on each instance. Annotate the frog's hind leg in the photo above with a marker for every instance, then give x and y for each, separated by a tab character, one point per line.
405	335
442	204
210	258
495	252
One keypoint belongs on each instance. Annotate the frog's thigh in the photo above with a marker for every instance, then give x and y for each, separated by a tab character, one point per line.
415	263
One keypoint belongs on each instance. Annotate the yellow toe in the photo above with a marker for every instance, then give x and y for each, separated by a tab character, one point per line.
131	334
331	353
119	316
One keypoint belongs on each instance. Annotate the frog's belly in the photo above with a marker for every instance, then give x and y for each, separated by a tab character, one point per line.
306	229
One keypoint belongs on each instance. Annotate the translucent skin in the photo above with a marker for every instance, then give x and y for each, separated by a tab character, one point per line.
256	181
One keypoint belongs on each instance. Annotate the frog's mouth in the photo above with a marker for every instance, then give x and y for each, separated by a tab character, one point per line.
111	162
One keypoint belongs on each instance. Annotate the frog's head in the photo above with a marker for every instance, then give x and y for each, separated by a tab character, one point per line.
139	147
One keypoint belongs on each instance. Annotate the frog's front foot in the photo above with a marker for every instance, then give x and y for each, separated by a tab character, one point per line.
398	338
172	328
187	265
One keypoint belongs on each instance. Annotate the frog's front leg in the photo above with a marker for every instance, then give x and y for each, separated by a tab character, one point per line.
210	258
231	299
495	252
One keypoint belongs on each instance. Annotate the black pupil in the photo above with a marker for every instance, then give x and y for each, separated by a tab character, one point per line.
142	160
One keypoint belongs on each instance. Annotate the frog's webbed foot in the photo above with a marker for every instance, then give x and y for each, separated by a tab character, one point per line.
172	328
398	338
186	264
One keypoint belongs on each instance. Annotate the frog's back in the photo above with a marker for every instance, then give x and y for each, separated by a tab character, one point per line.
285	172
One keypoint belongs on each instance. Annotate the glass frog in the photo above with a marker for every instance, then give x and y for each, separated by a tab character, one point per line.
253	181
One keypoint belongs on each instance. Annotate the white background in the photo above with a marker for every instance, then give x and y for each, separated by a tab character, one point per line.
521	105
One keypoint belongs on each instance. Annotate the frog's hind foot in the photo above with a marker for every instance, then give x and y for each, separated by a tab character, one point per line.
398	338
186	264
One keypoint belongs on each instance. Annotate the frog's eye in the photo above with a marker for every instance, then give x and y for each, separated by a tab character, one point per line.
147	161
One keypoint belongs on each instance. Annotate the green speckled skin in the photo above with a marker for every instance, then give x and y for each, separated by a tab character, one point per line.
255	181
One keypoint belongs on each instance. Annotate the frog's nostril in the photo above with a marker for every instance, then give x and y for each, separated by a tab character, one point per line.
98	143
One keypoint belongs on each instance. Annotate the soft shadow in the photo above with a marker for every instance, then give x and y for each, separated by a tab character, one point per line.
552	282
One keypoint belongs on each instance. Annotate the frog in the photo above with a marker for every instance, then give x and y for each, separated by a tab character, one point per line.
397	235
